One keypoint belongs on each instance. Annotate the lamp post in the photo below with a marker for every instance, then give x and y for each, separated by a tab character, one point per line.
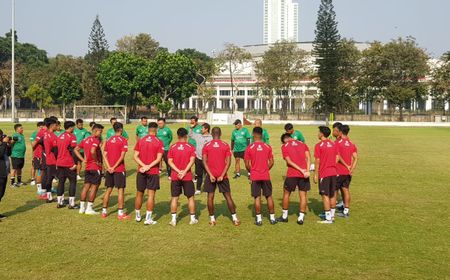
13	82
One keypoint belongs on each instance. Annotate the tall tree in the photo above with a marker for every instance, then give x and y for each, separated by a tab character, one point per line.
206	69
65	89
123	76
40	96
141	45
280	70
440	84
231	60
326	51
98	45
172	77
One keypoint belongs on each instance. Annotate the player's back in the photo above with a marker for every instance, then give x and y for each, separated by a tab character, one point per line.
259	155
345	149
326	151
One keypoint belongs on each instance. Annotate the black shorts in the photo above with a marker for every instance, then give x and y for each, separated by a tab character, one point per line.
186	187
264	186
77	160
38	164
292	183
63	173
327	186
93	177
343	181
117	179
17	163
51	171
210	187
239	155
147	182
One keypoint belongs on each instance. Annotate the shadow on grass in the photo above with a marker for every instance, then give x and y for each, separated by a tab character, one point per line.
28	206
315	206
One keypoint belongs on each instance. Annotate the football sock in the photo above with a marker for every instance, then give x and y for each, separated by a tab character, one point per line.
59	199
89	206
346	210
104	210
272	217
285	214
82	205
328	215
192	217
234	216
301	216
19	179
72	201
138	214
13	180
174	217
258	218
333	211
39	187
212	218
148	216
120	212
49	196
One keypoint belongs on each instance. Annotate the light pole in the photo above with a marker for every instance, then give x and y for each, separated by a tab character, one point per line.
13	82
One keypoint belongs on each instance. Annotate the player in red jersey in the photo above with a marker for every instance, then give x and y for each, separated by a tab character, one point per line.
181	158
258	159
298	159
49	156
38	163
217	161
348	159
337	130
325	154
114	157
148	154
66	167
93	168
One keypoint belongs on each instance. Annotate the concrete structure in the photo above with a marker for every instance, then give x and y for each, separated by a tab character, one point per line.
281	20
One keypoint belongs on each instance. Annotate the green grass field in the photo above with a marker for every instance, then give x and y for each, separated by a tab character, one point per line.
399	226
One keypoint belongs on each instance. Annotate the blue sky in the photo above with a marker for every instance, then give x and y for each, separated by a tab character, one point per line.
63	26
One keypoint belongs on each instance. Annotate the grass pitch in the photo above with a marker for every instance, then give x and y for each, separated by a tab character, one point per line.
399	226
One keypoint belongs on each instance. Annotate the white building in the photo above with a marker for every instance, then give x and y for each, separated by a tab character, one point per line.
281	20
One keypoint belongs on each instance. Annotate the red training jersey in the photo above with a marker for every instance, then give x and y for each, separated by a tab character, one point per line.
66	143
326	151
181	154
259	154
295	150
114	148
217	151
87	144
149	147
50	142
39	139
345	149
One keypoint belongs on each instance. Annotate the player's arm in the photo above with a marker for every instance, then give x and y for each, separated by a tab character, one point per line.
308	162
205	164
292	164
93	152
78	154
248	164
271	162
188	167
316	171
119	161
232	144
173	166
227	167
354	162
137	159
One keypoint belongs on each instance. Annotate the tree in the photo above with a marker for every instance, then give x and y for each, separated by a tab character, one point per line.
123	76
141	45
206	69
25	53
440	84
281	68
326	51
172	77
231	59
65	89
98	45
39	96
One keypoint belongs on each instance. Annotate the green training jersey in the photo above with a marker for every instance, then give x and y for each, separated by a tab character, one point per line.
240	138
33	136
80	134
110	133
59	132
19	149
297	135
197	130
165	135
141	131
265	137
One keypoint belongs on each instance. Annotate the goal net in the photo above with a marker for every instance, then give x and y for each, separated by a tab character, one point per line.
100	113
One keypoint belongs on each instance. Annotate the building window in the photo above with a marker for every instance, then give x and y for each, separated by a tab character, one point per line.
224	93
241	93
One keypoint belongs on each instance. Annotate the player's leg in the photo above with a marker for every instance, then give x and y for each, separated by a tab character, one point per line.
48	183
189	192
199	175
285	206
13	174
175	190
121	214
105	202
150	207
347	199
72	176
83	197
60	174
258	215
333	196
138	205
92	195
19	173
237	167
166	161
231	208
33	175
212	217
302	208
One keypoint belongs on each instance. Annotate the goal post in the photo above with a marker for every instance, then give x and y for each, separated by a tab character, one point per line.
100	113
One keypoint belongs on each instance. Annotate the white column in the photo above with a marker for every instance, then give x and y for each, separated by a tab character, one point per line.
190	103
245	99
